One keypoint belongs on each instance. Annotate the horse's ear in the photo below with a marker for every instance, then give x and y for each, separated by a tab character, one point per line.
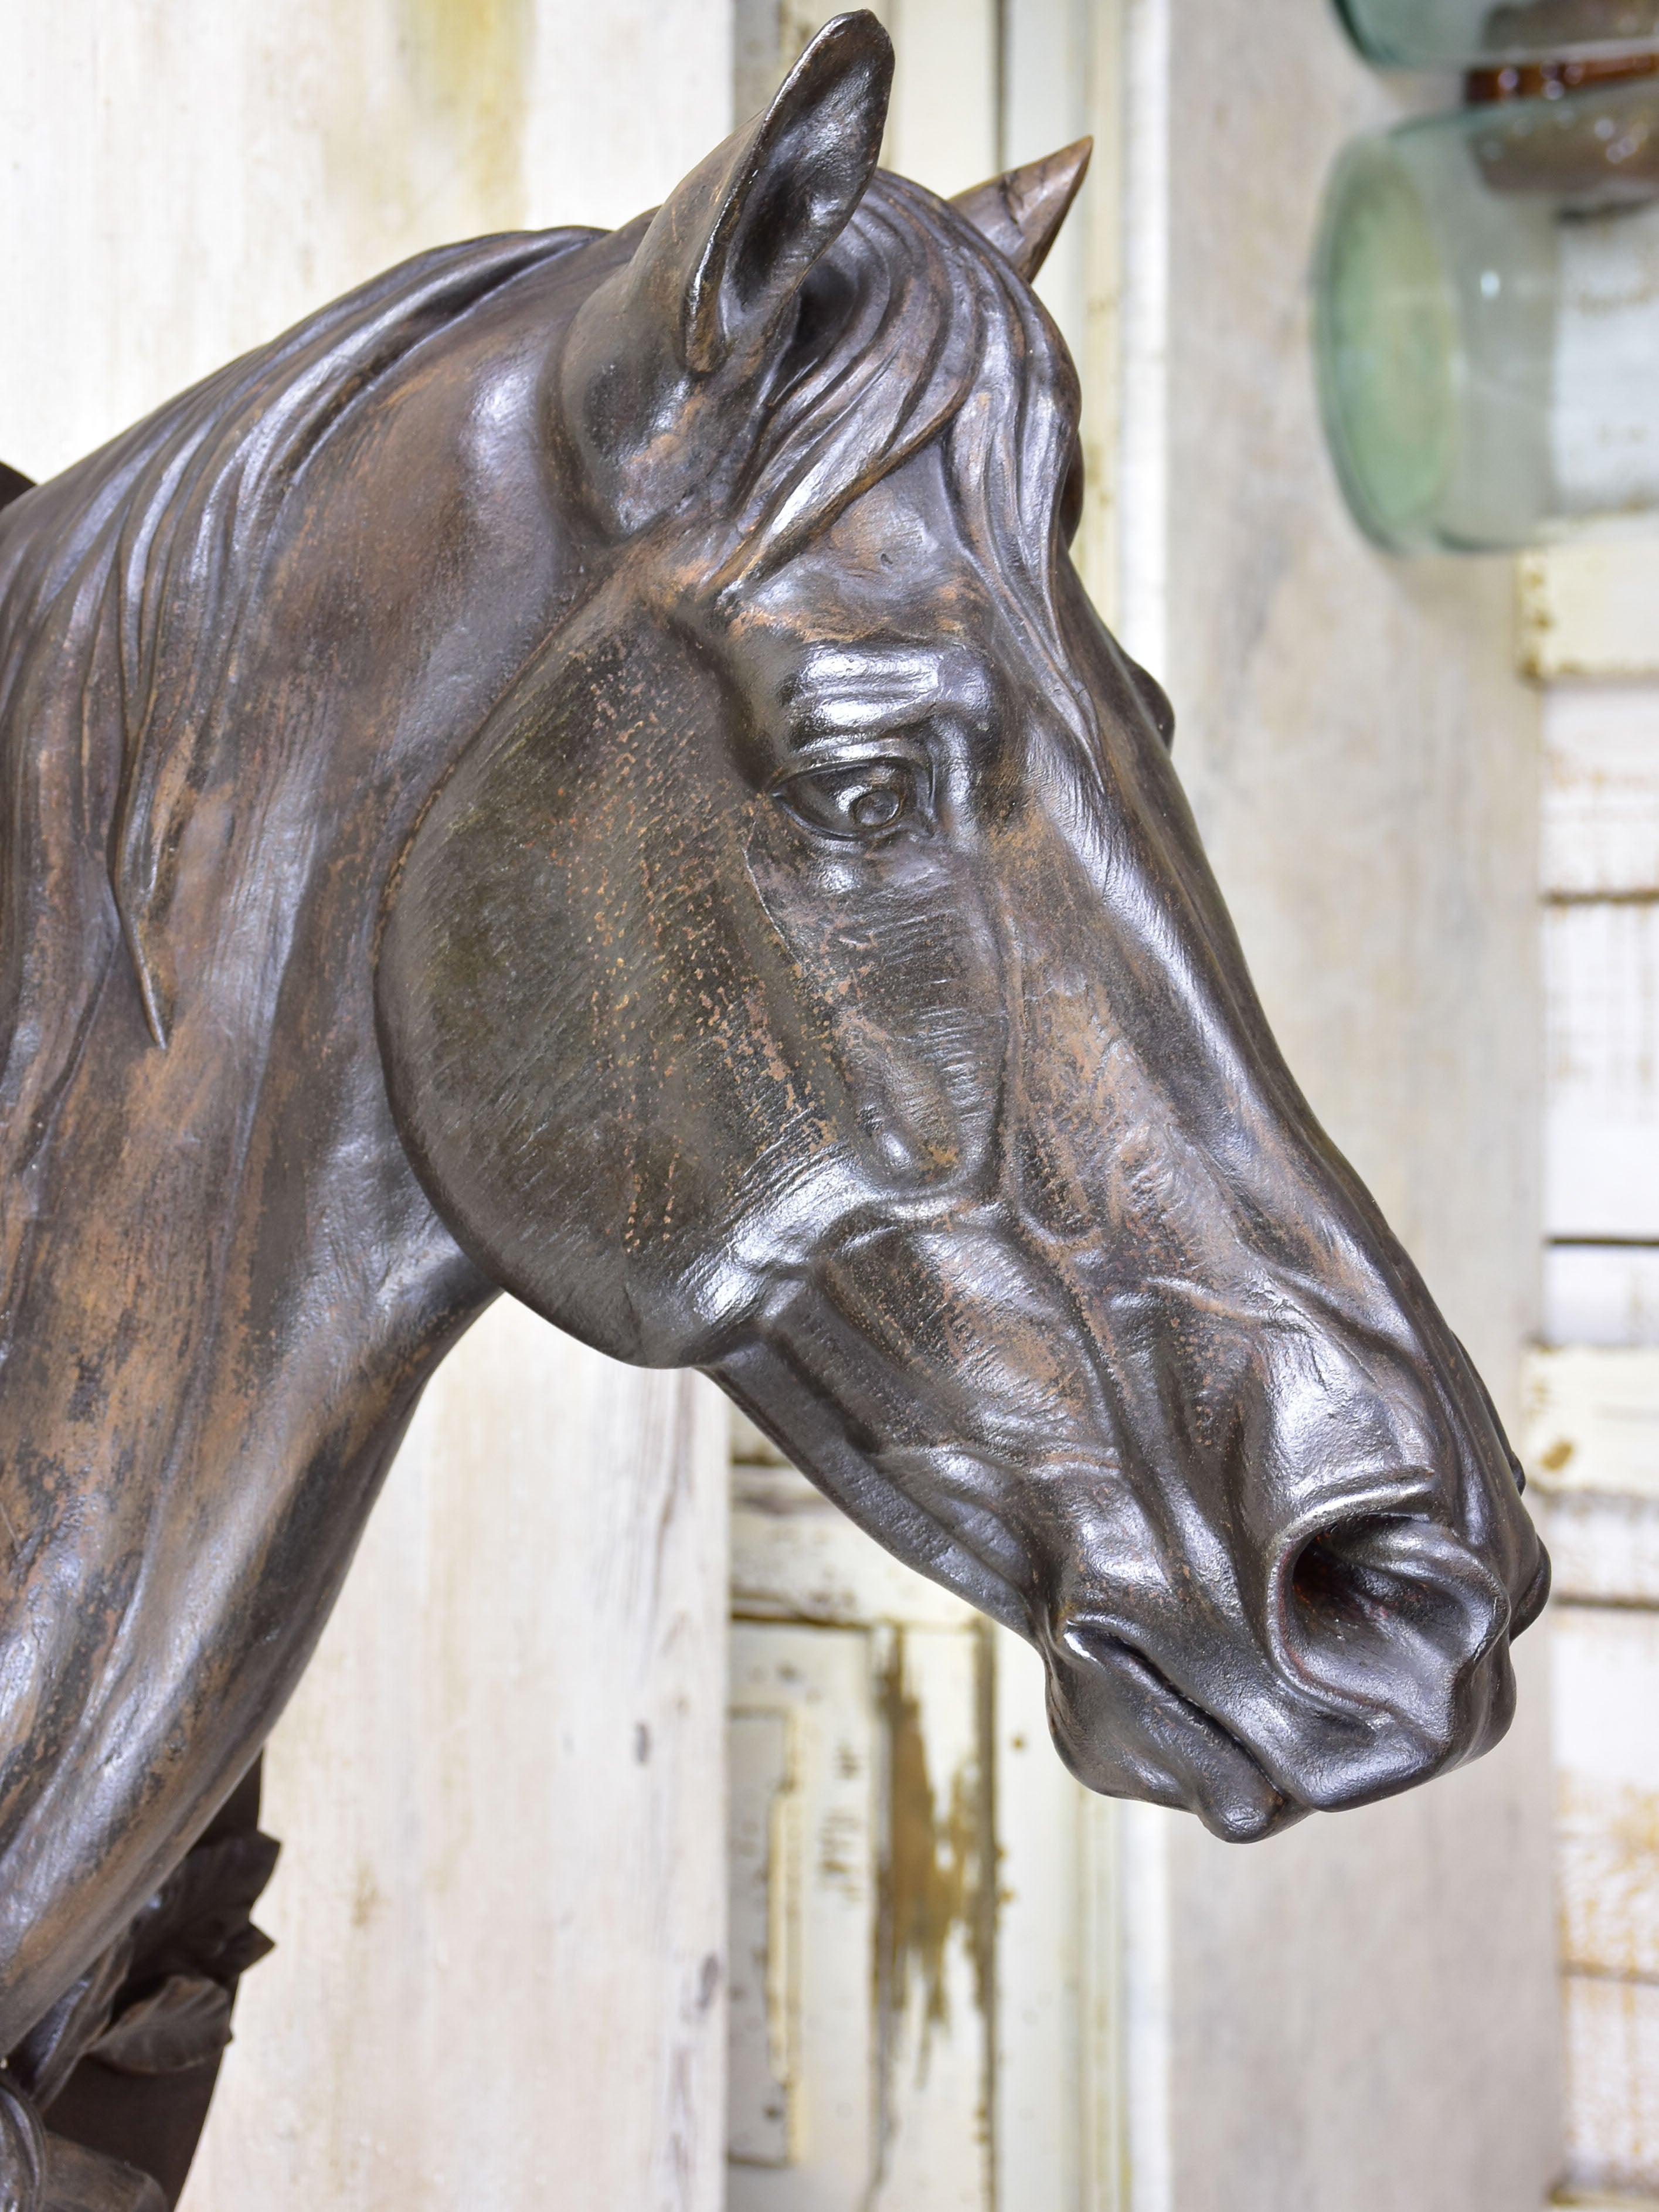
1021	211
706	295
782	189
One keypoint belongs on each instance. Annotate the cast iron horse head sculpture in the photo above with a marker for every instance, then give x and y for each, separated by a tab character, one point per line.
586	767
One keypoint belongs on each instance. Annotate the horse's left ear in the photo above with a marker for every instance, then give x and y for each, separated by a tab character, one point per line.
710	289
1021	211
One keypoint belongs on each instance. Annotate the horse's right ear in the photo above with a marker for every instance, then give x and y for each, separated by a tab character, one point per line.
710	289
765	205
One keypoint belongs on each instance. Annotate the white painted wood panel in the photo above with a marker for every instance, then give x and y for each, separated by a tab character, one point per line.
807	1774
1612	2088
183	179
943	128
1605	1679
1048	87
1589	1420
1600	1294
1591	609
1046	1972
1602	1111
1605	1666
935	2067
796	1556
1592	1427
1600	816
994	2083
764	1784
1603	1548
860	2079
500	1909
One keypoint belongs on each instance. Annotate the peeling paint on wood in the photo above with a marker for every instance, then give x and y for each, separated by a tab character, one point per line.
937	1873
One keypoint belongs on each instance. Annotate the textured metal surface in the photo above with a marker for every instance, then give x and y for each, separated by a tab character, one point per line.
806	969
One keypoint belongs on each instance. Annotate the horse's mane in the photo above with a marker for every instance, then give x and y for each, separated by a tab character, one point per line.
938	337
165	529
167	525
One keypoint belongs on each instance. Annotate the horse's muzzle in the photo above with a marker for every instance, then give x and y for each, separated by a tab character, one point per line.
1381	1658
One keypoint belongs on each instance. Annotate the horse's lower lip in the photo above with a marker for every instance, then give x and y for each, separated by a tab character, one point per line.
1212	1771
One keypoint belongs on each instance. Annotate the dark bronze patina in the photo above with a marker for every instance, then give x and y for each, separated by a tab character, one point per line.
586	767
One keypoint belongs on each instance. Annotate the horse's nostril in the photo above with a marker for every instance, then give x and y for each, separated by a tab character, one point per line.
1393	1608
1335	1580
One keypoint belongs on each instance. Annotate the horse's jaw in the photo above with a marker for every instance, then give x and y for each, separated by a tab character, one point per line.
1307	1608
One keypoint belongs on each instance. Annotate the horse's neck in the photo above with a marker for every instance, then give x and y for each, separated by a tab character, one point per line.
235	1292
231	1287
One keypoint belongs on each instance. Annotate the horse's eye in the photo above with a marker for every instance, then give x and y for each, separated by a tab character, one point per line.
860	801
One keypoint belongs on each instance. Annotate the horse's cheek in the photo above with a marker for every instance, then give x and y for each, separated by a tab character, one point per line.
896	974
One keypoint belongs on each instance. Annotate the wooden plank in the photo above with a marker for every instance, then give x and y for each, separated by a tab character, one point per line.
1590	609
935	2056
1603	1549
1601	796
182	182
1053	2133
1601	1294
1590	1420
763	1934
805	2023
500	1793
1612	2038
1604	1673
1046	86
1602	1111
878	2032
796	1556
1042	1979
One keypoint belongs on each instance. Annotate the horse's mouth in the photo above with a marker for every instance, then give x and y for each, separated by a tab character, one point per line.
1143	1738
1126	1729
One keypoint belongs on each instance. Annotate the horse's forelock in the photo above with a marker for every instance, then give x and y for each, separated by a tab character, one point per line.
940	339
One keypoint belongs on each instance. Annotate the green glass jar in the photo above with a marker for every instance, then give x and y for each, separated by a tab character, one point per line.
1470	33
1486	321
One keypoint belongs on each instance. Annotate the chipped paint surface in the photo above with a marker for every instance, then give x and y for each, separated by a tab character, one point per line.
937	1904
936	1874
864	1902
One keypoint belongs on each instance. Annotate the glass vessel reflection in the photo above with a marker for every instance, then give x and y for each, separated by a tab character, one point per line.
1439	33
1487	321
